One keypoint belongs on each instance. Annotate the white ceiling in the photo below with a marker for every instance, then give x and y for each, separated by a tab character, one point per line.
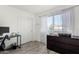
35	8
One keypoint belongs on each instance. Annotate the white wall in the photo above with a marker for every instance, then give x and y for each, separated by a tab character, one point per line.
13	18
76	21
37	28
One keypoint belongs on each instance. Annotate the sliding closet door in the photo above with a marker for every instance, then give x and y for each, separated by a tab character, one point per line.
25	28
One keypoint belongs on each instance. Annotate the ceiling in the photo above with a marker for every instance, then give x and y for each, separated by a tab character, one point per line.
35	8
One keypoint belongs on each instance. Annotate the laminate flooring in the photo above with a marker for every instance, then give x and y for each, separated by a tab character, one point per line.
33	47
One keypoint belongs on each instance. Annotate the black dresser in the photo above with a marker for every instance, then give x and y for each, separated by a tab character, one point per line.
63	45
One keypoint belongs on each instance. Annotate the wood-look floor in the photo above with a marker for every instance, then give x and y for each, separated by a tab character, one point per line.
30	48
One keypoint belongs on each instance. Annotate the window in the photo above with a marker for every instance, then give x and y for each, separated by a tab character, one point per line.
60	23
50	24
54	23
57	23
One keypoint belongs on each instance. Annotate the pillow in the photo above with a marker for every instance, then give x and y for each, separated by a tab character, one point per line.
54	34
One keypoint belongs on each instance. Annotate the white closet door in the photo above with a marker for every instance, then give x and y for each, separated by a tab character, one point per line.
25	28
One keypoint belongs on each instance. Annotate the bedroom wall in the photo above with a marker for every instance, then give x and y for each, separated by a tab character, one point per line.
18	20
76	21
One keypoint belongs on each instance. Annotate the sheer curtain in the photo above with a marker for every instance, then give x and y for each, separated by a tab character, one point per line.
64	19
68	21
